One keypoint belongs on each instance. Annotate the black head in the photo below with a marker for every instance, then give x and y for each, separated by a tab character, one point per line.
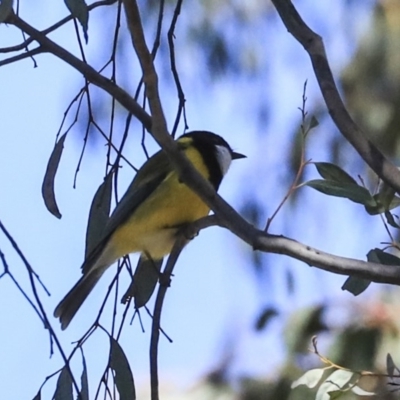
216	152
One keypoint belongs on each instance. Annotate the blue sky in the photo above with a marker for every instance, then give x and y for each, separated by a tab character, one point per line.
214	300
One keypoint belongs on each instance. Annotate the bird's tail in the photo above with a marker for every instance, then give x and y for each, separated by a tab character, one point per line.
73	300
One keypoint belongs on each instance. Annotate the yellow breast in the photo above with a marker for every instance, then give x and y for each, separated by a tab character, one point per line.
153	225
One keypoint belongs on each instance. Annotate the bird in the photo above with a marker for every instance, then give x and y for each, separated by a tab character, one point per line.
151	212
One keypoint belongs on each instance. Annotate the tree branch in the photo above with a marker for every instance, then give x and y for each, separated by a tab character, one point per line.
156	325
262	241
226	215
19	57
87	71
52	28
314	46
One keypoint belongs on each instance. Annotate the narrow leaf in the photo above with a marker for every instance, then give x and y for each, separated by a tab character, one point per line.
332	172
144	281
49	177
99	214
333	383
266	315
335	394
313	123
390	220
84	393
361	392
79	10
355	193
64	386
390	365
386	195
38	396
5	9
123	374
379	256
310	378
379	208
356	285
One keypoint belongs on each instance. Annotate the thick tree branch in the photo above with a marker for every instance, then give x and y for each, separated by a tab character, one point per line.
262	241
314	46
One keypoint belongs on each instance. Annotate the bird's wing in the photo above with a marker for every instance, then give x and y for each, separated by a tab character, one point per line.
148	178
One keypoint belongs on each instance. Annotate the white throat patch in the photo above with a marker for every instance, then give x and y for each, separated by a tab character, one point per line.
224	158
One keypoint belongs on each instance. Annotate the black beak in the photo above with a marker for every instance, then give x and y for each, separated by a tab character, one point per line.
236	156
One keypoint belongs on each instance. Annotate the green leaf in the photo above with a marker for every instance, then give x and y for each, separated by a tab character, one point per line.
310	378
336	381
385	195
6	7
123	374
49	177
99	214
332	172
38	396
144	281
379	256
313	123
391	366
356	285
266	315
361	392
79	10
64	386
335	394
379	208
84	393
353	192
390	220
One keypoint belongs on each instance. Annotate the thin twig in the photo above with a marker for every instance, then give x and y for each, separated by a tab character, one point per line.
32	275
155	327
22	56
181	95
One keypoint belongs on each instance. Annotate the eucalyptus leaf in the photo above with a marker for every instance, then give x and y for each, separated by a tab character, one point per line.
390	365
356	285
266	315
313	123
379	208
64	386
49	178
361	392
99	214
38	396
332	172
390	220
84	393
379	256
333	383
144	281
335	394
123	374
6	7
353	192
80	11
310	378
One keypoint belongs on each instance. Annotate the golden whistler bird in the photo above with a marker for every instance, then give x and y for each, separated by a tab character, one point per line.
150	213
